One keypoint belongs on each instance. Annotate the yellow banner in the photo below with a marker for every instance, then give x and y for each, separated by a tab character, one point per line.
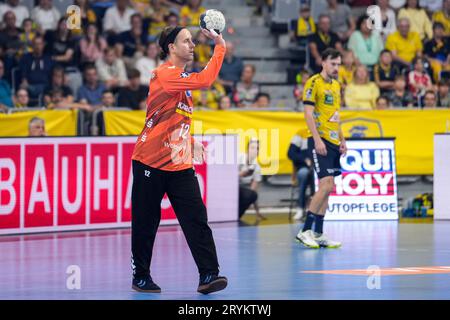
413	131
57	122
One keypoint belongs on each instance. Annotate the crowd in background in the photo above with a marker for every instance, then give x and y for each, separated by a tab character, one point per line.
402	62
107	62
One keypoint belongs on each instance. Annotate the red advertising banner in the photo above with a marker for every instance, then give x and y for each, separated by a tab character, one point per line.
55	184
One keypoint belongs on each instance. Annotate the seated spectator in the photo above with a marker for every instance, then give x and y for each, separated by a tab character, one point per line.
20	12
202	51
246	90
443	16
131	44
148	62
387	20
108	99
224	103
444	94
302	28
382	103
304	176
361	93
419	81
35	69
418	18
342	21
400	97
36	127
57	101
134	95
346	69
10	34
437	51
60	45
21	99
249	179
172	20
26	37
117	19
92	45
58	82
429	99
91	90
365	44
111	70
384	73
208	97
157	13
231	70
262	100
190	13
46	15
321	40
404	44
5	91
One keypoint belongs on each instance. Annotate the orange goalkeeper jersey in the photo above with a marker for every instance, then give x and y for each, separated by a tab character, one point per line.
165	142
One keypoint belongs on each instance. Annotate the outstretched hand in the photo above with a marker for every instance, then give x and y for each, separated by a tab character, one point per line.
211	34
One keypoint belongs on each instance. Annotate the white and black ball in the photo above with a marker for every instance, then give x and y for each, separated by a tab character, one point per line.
212	20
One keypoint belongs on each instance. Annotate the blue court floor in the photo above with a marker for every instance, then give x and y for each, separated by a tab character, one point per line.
261	262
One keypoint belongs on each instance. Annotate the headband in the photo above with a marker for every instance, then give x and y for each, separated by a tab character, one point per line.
164	42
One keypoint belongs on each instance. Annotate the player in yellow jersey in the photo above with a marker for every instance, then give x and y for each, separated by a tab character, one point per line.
322	100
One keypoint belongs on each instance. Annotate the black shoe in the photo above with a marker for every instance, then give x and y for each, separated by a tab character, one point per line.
211	283
145	285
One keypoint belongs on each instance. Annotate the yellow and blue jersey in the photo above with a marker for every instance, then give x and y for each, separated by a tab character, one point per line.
325	97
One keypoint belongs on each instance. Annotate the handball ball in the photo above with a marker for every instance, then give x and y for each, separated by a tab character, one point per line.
212	19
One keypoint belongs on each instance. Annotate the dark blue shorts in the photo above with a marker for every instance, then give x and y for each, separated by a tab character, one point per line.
328	165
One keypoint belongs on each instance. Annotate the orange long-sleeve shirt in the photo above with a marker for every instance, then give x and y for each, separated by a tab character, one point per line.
165	142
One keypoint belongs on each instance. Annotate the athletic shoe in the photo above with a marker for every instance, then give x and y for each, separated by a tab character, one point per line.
145	285
211	283
307	239
299	214
324	242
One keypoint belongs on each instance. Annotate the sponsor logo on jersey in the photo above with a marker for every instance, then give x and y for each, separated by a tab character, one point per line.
184	109
328	97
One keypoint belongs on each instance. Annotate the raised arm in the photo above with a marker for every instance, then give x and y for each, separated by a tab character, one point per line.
173	81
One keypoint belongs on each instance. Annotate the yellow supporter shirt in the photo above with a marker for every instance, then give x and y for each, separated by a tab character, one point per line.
405	48
346	75
361	96
192	17
325	97
305	27
208	97
419	22
203	53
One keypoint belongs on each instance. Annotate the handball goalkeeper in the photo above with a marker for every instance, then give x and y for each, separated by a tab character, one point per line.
163	162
